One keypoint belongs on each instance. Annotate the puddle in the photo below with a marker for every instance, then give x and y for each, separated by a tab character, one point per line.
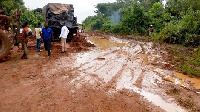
104	44
179	79
172	79
194	81
168	105
143	56
157	100
175	80
128	67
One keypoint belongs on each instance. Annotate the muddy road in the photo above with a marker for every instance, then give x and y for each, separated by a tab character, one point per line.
109	74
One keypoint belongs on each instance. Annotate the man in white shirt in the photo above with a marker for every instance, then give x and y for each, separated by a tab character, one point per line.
38	37
63	36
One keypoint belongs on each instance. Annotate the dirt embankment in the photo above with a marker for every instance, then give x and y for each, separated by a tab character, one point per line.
117	75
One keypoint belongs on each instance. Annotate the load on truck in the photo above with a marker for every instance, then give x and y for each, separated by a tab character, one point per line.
55	14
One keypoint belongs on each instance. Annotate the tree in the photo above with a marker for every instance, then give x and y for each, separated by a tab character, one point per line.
11	5
31	17
156	16
134	19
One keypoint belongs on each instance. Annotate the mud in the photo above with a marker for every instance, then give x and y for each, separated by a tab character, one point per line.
117	75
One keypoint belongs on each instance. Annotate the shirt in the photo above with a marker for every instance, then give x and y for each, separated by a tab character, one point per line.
64	32
47	33
24	35
37	33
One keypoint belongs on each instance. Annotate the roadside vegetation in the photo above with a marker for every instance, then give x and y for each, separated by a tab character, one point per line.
175	22
30	16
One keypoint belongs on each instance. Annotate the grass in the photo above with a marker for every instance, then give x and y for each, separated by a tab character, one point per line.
187	59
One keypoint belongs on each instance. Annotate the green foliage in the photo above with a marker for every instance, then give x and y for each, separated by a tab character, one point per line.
178	22
31	17
11	5
190	70
185	31
187	59
156	15
134	19
147	4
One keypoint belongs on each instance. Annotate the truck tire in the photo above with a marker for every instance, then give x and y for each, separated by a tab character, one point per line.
5	46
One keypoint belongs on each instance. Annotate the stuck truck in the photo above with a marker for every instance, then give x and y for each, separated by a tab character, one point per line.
55	14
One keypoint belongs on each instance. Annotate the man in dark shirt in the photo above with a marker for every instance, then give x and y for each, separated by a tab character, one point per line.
47	34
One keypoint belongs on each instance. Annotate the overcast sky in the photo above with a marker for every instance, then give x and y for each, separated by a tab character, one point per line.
82	8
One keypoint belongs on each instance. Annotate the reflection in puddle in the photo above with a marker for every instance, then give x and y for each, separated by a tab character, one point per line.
179	79
105	43
175	81
196	82
157	100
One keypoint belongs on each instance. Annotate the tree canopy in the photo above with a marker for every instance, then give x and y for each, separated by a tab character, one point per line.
30	16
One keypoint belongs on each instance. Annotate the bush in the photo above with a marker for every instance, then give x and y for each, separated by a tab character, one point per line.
185	31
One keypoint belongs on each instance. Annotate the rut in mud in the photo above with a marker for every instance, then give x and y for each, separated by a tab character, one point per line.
117	75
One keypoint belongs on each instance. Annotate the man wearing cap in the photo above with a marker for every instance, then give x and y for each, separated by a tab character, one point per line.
63	36
150	30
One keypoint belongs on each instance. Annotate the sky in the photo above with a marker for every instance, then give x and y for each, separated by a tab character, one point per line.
82	8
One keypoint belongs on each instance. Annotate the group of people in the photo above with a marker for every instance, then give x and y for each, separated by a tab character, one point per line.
44	34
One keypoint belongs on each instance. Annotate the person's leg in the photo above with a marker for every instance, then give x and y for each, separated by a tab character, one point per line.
46	45
24	46
62	43
49	47
22	42
39	44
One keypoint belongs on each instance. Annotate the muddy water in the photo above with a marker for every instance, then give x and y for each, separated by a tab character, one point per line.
104	44
194	81
125	65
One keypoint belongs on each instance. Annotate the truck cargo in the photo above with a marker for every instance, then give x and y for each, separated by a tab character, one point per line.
55	14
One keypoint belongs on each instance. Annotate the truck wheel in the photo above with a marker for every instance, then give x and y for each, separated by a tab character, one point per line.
5	46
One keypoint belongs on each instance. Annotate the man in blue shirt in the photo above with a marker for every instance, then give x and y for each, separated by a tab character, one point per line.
47	34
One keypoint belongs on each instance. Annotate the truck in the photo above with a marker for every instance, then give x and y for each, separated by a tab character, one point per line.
55	14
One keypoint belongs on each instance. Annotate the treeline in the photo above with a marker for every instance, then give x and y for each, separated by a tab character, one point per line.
177	21
30	16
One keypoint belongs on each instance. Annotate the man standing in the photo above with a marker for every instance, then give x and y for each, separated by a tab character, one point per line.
38	33
24	40
63	36
150	30
47	34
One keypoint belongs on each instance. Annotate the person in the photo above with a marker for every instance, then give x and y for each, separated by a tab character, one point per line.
150	30
82	29
47	34
63	36
24	40
4	22
38	33
2	11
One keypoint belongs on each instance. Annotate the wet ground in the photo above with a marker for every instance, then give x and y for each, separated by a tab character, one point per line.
117	75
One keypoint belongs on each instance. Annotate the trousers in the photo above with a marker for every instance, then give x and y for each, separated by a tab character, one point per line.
63	43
